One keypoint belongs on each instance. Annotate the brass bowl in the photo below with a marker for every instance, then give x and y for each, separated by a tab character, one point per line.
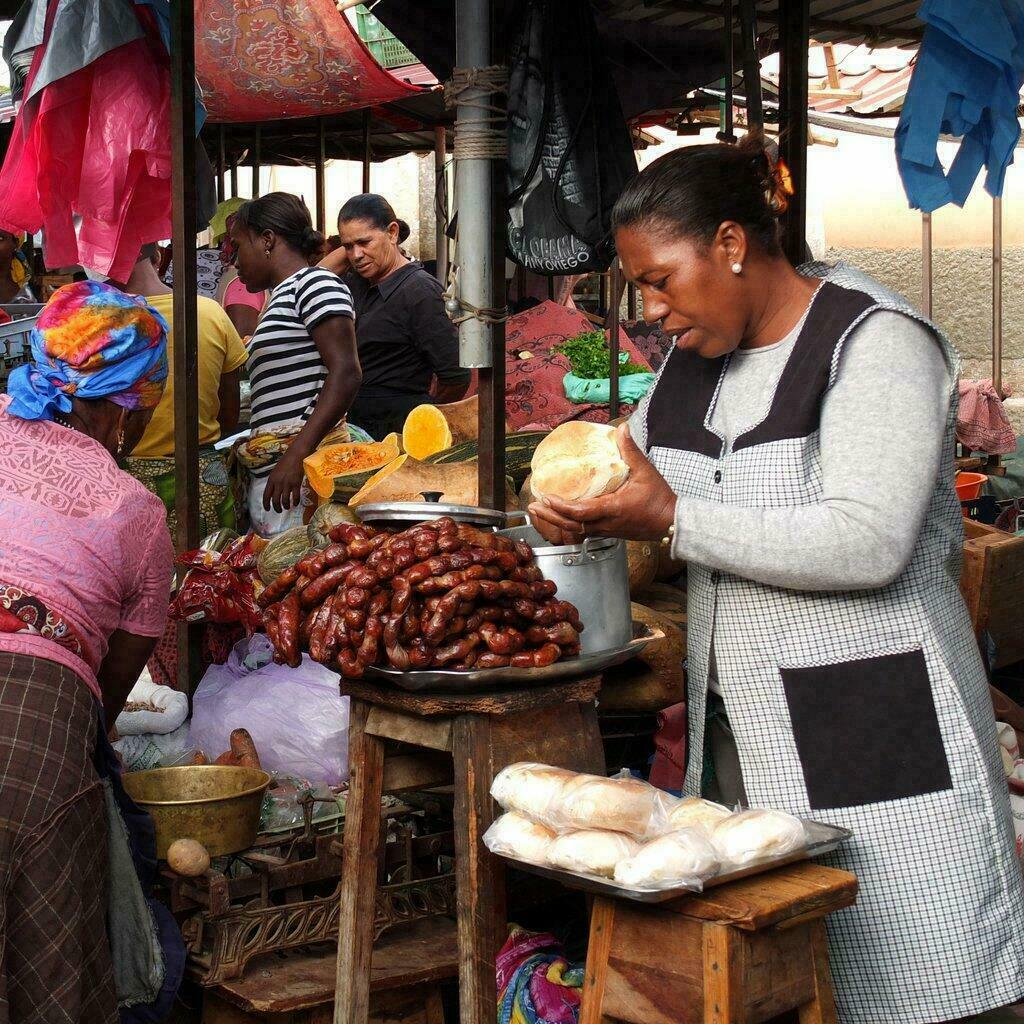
216	805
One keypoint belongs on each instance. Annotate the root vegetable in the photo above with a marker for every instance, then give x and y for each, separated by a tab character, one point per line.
188	857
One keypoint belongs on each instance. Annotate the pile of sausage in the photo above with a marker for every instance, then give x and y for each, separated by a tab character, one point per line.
439	595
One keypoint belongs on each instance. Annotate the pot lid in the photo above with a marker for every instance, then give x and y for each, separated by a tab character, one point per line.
422	511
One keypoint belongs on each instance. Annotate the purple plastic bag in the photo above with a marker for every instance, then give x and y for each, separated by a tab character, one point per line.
296	716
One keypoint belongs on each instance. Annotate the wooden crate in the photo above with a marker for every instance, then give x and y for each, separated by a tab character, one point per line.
992	582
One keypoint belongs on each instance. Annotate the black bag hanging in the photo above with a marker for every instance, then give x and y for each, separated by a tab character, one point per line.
570	150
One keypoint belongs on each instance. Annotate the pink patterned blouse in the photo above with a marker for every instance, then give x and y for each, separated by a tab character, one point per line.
83	537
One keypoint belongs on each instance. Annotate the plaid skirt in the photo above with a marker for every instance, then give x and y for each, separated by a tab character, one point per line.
55	965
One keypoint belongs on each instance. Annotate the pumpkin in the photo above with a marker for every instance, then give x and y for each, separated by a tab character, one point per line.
433	428
395	464
654	679
283	551
519	449
325	518
339	470
642	556
410	479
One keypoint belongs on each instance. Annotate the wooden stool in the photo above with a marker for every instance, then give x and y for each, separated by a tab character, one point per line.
409	965
742	953
482	734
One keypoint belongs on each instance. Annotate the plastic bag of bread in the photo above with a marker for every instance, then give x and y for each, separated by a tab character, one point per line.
531	789
576	461
683	858
619	804
513	835
591	852
693	812
752	835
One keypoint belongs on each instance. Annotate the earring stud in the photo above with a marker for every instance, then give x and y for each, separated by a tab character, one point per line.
737	268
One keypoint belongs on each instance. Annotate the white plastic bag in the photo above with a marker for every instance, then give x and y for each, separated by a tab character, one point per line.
754	835
166	750
296	716
514	835
159	710
680	859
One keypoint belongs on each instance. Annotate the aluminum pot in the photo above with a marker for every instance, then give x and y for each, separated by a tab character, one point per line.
594	576
217	805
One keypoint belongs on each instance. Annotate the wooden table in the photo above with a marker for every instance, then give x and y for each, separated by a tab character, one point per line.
481	734
746	952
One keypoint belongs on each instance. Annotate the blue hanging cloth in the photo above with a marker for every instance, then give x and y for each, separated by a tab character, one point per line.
966	82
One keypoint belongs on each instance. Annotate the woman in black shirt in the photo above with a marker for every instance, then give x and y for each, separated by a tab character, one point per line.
408	348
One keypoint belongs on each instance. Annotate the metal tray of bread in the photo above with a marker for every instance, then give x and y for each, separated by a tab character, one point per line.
822	839
444	681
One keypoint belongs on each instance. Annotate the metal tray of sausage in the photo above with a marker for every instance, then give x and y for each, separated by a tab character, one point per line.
823	838
446	681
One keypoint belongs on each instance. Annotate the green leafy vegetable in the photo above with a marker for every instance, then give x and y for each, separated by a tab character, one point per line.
591	359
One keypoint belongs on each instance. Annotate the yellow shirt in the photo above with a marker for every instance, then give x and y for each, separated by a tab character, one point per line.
220	351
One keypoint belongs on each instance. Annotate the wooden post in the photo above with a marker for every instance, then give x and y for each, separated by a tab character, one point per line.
612	321
367	148
221	164
631	303
256	155
926	264
440	238
997	295
751	64
794	40
726	133
186	333
321	176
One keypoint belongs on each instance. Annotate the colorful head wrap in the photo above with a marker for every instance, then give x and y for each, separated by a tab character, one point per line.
91	341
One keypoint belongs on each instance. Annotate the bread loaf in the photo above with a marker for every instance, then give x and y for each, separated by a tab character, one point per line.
752	835
680	858
514	835
621	804
531	789
576	461
591	852
692	812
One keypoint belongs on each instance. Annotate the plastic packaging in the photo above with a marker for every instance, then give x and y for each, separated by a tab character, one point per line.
683	859
152	709
530	788
296	717
516	836
170	750
693	812
591	852
220	585
753	835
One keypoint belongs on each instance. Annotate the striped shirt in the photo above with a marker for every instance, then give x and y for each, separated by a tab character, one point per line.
285	368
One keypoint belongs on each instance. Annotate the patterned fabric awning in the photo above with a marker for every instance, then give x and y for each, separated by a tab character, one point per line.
262	60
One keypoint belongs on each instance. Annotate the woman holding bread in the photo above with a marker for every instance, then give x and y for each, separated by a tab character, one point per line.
825	619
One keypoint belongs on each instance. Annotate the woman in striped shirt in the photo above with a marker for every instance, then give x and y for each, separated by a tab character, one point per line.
303	364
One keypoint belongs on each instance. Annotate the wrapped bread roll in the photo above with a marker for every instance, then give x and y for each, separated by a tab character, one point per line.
620	804
680	858
576	461
591	852
692	812
752	835
531	789
514	835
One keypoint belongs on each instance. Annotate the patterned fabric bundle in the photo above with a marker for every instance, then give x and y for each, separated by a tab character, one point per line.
92	341
21	612
536	984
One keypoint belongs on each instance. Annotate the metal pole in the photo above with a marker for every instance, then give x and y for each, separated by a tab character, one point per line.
751	64
234	178
926	264
256	145
221	163
321	176
613	339
367	148
479	193
186	334
440	237
726	134
631	303
997	295
794	40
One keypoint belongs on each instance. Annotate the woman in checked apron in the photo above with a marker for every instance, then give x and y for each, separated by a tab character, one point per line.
797	452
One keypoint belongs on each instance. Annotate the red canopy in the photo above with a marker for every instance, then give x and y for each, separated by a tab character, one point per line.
261	60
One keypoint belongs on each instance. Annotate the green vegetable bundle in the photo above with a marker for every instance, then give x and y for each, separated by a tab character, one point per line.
591	359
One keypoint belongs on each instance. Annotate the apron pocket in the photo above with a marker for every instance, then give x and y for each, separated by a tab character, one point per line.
866	730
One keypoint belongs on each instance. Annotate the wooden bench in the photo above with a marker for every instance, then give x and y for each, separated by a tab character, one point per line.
742	953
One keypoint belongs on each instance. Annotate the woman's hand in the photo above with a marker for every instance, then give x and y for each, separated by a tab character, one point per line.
284	485
337	261
642	509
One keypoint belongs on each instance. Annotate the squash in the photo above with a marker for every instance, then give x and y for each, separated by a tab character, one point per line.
409	479
433	428
519	449
642	556
654	679
667	599
325	518
339	470
394	464
283	551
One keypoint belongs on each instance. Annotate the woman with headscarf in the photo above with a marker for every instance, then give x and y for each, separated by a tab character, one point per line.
85	574
14	271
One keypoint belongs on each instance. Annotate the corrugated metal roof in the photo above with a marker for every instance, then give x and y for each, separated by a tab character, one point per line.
872	21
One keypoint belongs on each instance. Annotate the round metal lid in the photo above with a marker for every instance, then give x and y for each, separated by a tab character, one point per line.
422	511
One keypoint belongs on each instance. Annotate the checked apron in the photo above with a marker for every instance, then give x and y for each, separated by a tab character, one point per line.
865	709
